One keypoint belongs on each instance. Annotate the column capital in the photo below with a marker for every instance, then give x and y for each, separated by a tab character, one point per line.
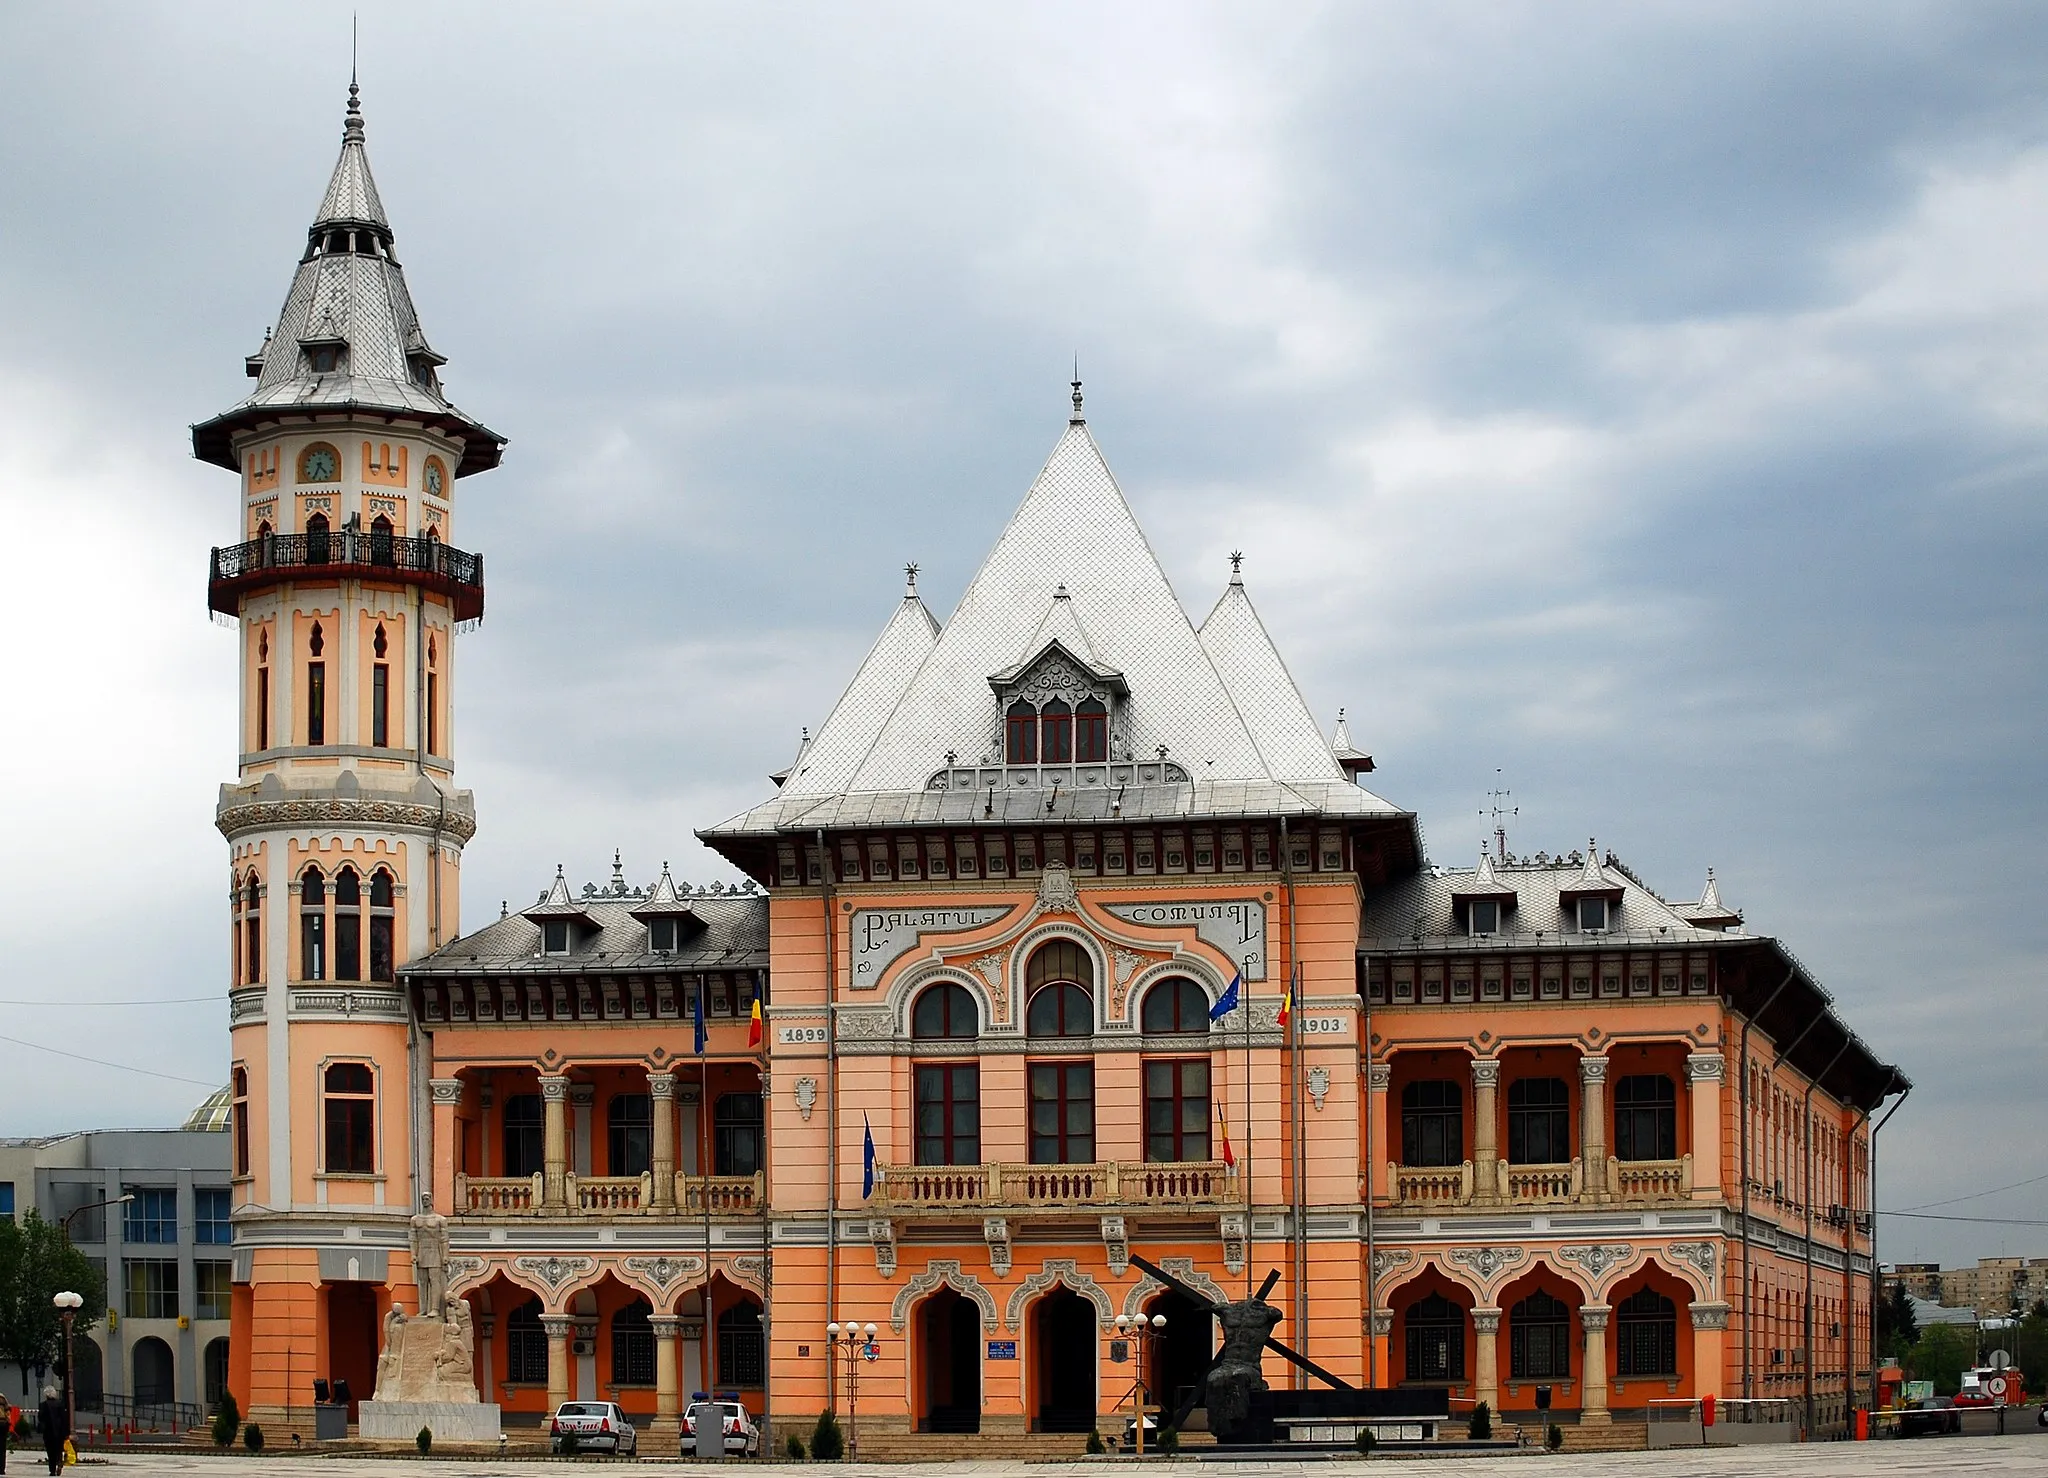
1382	1321
1593	1317
446	1090
661	1085
1379	1076
665	1326
1486	1072
1705	1067
554	1088
1593	1068
1710	1316
1486	1321
583	1095
558	1325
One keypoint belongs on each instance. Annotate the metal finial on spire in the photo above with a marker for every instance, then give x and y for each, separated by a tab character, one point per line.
1236	566
910	578
1077	418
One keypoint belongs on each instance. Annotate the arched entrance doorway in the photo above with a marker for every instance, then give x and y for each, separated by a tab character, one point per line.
216	1372
949	1349
155	1375
1180	1356
1063	1356
352	1340
89	1380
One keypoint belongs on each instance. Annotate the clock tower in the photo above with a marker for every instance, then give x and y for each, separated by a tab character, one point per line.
347	584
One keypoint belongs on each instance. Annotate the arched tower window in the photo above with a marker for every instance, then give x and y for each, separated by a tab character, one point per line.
380	690
1020	731
944	1011
319	540
433	704
312	926
381	549
1056	733
316	685
239	1109
348	925
382	894
252	931
1091	732
263	688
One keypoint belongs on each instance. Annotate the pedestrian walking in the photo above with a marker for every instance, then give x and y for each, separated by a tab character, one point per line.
56	1425
9	1413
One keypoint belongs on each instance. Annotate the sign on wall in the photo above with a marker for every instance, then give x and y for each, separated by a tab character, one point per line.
1002	1349
1236	926
882	936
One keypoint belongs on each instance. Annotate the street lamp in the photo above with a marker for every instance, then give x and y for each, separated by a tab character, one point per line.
858	1341
78	1211
67	1304
1144	1331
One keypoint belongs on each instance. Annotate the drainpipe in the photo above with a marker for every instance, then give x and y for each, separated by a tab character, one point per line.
1806	1195
831	1114
1748	1376
1297	1156
1876	1279
1849	1259
1372	1273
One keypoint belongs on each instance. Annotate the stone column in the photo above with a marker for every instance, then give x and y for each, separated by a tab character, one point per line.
554	1102
1486	1358
1709	1345
1486	1128
1593	1125
1379	1076
667	1390
661	1091
486	1368
1704	1072
447	1098
1593	1385
559	1327
1381	1332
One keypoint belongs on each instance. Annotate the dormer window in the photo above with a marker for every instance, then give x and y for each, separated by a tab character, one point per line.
325	359
1091	732
554	936
1593	915
1056	733
1485	916
661	936
1021	734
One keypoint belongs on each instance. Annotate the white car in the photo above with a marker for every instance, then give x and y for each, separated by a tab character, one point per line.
741	1435
595	1425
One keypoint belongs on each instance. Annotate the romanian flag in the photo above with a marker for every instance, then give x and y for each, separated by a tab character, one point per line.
754	1024
1223	1128
1286	1006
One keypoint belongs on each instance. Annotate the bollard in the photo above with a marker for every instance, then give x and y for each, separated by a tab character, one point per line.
1862	1425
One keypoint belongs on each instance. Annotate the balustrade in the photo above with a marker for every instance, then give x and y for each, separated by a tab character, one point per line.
1561	1182
1565	1182
1444	1185
1108	1183
1650	1180
605	1196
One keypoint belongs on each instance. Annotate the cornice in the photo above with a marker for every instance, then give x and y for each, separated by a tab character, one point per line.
368	813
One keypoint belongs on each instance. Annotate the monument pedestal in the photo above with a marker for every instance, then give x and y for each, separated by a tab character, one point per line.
449	1421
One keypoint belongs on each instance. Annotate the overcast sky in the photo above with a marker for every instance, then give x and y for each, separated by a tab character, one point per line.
1637	406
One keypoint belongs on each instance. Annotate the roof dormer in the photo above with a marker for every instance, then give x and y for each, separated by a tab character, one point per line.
1592	900
1710	912
1060	705
563	922
669	920
1481	903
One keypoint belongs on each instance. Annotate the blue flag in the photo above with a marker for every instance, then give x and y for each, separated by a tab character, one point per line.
867	1158
1227	1002
698	1017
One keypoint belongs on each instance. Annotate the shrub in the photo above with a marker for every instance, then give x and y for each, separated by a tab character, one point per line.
1553	1437
227	1420
1366	1442
1169	1440
794	1447
1480	1428
1095	1447
828	1444
252	1437
424	1441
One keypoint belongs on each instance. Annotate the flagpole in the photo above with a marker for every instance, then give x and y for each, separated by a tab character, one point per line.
1245	1005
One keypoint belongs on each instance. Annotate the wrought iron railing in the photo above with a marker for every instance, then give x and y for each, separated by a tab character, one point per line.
238	566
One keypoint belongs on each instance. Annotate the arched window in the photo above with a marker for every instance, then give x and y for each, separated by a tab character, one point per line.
155	1380
216	1371
432	705
1020	734
736	1134
1646	1335
1432	1123
1540	1339
629	1126
312	926
380	688
348	925
1539	1122
1174	1005
380	540
319	541
252	931
1436	1340
1056	733
524	1128
1059	959
239	1110
1646	1118
382	892
944	1012
1060	1010
350	1112
739	1346
1091	732
316	685
526	1346
632	1344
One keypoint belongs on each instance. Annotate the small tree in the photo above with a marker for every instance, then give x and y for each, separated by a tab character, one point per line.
1095	1447
1169	1440
252	1437
794	1447
227	1420
1365	1442
1553	1437
424	1441
1480	1428
828	1444
1897	1327
1942	1354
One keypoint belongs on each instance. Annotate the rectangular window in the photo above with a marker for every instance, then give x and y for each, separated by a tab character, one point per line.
1020	745
1485	915
1062	1113
6	1198
316	702
1432	1123
433	713
241	1120
1091	734
212	1282
313	944
380	704
152	1288
263	708
1646	1118
632	1347
661	936
350	1116
152	1216
1539	1349
949	1114
380	947
1592	915
348	944
524	1124
211	1207
554	936
1177	1110
526	1347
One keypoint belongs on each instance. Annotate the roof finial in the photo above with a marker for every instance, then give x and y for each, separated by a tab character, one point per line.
1237	567
910	576
1077	419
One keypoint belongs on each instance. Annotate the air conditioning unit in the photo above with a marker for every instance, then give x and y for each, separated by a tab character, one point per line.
1863	1221
1799	1357
1777	1357
1835	1330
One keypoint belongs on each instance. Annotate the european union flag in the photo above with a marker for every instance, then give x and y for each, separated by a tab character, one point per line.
867	1158
698	1017
1227	1002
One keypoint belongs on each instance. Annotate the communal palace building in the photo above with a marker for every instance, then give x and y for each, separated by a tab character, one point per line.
1522	1124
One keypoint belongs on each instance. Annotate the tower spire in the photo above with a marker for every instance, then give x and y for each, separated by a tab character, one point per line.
1077	419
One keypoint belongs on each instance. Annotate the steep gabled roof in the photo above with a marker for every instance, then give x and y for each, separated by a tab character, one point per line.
1264	691
826	763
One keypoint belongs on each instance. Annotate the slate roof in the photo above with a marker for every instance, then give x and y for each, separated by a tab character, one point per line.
361	300
1420	908
734	937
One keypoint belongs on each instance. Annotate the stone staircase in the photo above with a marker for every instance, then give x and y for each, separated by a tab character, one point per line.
936	1447
1620	1437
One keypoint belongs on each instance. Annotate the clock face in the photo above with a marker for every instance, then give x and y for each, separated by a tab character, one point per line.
434	478
320	465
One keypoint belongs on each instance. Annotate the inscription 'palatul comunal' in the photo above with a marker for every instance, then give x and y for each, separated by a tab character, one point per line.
1237	926
881	936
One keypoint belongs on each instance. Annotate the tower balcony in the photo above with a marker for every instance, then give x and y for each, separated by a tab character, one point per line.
604	1197
940	1190
237	569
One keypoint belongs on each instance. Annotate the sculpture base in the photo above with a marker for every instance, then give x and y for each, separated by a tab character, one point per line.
449	1421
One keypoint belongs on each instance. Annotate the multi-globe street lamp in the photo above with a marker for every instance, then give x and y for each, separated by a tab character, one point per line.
1146	1332
858	1340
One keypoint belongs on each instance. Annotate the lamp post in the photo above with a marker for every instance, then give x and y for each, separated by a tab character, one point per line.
77	1211
67	1304
858	1341
1145	1332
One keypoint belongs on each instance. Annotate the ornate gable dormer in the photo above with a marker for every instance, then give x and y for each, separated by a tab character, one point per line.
1061	705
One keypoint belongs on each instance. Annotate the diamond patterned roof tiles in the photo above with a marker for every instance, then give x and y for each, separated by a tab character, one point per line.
1264	690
